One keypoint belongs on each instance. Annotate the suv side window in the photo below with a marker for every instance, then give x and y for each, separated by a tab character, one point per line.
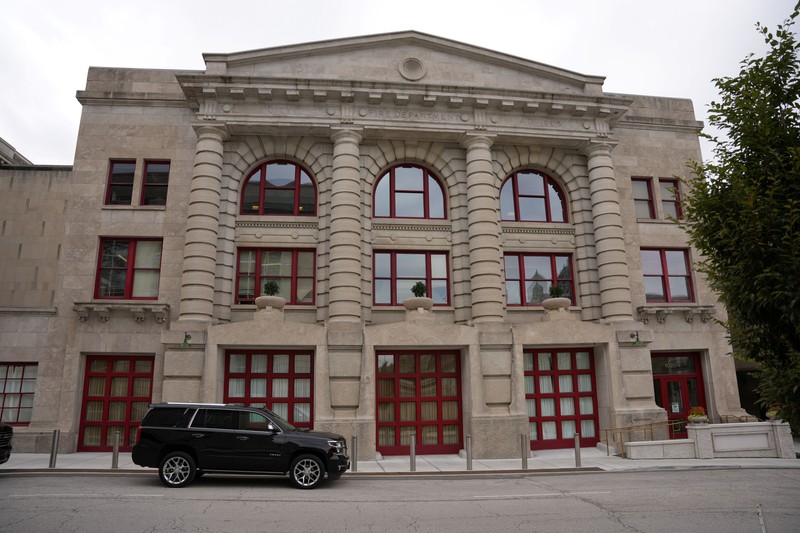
250	421
168	417
213	419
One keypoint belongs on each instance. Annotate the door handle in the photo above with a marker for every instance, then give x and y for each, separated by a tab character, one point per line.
198	435
242	437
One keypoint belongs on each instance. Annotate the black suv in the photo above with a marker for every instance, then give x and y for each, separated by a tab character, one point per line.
6	432
186	440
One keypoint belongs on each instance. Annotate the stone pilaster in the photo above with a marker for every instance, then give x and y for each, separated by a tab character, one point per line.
485	259
345	230
202	226
612	263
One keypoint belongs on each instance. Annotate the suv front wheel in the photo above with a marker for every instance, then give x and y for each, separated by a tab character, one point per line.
177	469
307	471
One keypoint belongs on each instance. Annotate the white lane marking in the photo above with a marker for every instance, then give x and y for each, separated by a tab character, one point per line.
73	496
542	495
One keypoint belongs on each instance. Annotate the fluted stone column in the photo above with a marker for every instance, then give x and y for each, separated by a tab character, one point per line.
612	263
202	225
345	230
485	259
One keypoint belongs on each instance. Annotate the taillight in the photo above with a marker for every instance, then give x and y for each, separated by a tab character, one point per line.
138	434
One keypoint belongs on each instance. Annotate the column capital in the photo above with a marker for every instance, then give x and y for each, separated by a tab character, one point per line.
590	148
346	134
471	140
216	129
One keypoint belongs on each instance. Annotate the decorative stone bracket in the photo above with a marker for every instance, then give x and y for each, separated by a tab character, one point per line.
103	310
705	312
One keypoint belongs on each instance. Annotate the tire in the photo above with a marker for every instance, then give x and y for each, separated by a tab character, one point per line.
307	471
177	469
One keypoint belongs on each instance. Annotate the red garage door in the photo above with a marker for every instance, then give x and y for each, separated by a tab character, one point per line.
561	397
116	393
418	393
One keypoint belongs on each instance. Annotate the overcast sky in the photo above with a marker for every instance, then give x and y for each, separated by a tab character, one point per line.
663	48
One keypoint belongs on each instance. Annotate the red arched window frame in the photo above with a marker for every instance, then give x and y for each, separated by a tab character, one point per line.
532	196
398	194
284	188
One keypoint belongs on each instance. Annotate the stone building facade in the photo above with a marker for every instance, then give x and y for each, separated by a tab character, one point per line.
345	171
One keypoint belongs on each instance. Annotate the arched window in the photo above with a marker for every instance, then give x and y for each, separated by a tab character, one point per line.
529	195
409	191
279	188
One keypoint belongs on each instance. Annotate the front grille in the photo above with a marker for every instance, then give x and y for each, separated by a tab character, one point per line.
5	438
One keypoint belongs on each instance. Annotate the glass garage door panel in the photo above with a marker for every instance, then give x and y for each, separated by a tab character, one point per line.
282	381
117	391
560	397
418	397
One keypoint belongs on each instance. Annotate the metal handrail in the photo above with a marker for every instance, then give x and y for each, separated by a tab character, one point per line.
647	429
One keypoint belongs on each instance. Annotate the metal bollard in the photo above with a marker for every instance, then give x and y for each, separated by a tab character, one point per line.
469	452
354	455
525	446
413	452
115	453
54	448
577	450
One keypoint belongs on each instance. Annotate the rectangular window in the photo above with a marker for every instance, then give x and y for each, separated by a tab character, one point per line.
128	268
530	276
282	381
643	197
120	182
667	275
292	270
394	273
17	385
670	197
154	185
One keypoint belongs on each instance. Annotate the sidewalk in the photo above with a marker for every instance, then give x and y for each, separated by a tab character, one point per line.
592	459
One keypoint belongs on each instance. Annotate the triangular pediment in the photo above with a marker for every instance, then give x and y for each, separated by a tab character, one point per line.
403	58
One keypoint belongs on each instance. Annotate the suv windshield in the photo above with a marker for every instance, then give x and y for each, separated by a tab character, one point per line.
283	424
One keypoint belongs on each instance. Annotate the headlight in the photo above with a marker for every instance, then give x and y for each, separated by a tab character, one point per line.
339	445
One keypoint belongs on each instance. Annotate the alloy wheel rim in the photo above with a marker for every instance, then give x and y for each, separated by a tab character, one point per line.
306	472
176	470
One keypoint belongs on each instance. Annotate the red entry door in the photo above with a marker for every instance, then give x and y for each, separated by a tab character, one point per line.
678	384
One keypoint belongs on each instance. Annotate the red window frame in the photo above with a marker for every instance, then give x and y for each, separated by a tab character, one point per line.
393	278
429	180
533	392
269	400
686	379
118	181
135	404
22	387
643	200
670	196
666	278
259	280
127	265
298	208
549	186
151	183
516	261
394	396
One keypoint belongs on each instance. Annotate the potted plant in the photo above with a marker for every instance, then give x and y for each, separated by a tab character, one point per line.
420	299
270	296
773	412
557	299
697	415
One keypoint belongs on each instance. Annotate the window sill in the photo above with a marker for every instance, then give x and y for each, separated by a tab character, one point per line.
104	310
661	311
135	207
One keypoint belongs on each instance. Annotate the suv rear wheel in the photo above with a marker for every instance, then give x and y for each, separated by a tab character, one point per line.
307	471
177	469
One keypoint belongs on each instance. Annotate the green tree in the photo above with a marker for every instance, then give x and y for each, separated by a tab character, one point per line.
743	213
